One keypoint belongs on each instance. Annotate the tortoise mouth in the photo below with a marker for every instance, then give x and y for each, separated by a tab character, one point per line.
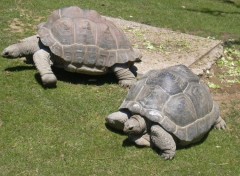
135	125
5	54
130	130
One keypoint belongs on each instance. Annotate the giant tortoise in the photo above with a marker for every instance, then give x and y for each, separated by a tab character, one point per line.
79	41
166	108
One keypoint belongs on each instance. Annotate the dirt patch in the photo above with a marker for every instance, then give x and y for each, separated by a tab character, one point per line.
16	26
25	23
227	95
162	48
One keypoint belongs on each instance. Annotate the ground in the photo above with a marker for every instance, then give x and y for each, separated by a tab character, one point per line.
224	81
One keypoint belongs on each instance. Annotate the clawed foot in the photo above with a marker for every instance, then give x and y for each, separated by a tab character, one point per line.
168	155
49	79
126	83
221	124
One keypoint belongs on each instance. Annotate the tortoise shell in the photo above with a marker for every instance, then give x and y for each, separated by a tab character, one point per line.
83	37
176	99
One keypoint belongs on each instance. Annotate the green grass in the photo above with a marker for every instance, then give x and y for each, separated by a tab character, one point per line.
62	131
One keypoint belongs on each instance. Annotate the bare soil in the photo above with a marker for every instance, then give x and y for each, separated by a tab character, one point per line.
228	95
162	48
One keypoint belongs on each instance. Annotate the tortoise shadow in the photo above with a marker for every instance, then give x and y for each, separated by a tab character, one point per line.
128	143
20	68
70	77
114	130
159	151
78	78
73	78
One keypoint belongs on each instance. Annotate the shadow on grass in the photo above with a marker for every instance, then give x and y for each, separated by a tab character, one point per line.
230	2
20	68
73	78
114	130
211	12
128	143
230	43
77	78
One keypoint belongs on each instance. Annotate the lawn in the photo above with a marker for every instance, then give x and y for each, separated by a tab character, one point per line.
62	131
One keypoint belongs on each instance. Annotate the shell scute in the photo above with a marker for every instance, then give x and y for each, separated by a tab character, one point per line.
192	132
200	98
167	80
180	110
57	49
111	59
185	73
68	53
105	38
80	51
63	31
90	56
102	57
181	133
155	99
85	32
168	124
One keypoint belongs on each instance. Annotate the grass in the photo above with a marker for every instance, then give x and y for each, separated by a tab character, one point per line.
62	132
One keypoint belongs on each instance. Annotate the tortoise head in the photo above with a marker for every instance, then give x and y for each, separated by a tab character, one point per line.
11	51
135	125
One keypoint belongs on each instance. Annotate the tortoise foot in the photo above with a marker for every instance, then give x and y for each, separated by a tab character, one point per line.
220	124
49	79
127	83
168	154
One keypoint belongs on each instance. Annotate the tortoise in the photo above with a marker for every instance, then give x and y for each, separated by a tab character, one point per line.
79	41
167	108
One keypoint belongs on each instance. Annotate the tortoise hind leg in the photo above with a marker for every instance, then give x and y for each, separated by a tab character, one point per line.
43	63
164	141
125	76
220	124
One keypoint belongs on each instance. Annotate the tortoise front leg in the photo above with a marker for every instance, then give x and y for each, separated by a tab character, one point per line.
142	140
125	76
164	141
43	63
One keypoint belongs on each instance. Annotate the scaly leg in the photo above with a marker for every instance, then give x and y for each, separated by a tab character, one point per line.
164	141
220	124
43	63
124	75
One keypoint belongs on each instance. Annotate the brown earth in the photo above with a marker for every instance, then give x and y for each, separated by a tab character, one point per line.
228	95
